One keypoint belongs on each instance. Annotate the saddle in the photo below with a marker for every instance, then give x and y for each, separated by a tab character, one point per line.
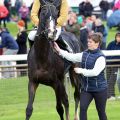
63	44
67	41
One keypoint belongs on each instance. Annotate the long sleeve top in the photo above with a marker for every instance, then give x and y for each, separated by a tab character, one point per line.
3	12
98	67
61	19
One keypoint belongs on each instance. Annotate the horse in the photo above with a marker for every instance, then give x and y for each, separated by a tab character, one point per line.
46	67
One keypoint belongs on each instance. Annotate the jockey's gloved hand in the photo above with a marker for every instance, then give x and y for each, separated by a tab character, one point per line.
58	32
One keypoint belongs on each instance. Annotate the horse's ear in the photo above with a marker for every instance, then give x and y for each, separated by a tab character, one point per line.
42	2
57	3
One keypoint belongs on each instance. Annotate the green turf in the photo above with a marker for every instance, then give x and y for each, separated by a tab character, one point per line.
13	29
13	101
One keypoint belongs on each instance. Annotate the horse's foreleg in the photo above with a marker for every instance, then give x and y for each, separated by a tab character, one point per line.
65	102
31	89
59	106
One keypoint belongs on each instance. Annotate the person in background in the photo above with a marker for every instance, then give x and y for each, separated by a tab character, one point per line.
3	14
86	8
72	25
112	71
94	85
81	8
99	27
83	35
10	47
1	50
18	4
7	4
104	5
111	3
22	43
116	5
24	13
93	19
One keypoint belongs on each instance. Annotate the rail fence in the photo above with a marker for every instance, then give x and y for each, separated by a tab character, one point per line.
18	70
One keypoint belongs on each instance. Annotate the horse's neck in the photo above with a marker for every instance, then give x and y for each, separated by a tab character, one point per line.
42	49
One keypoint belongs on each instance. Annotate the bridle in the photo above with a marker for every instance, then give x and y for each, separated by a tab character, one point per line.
45	31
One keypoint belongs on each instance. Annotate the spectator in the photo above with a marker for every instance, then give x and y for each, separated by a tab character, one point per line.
104	5
99	27
24	13
10	47
7	4
111	3
22	43
3	14
81	8
18	4
116	5
72	25
86	8
83	36
1	50
89	24
112	71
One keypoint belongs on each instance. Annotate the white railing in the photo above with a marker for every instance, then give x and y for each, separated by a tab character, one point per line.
14	58
24	56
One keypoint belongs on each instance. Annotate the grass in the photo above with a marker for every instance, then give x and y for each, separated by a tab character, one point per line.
13	101
12	27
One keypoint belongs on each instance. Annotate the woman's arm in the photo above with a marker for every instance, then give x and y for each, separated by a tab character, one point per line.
98	67
77	57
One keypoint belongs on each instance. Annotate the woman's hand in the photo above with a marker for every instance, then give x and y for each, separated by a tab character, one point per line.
78	70
56	47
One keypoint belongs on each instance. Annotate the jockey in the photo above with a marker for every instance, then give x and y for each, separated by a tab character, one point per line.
62	18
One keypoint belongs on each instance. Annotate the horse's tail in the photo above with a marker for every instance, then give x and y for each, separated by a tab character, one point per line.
75	79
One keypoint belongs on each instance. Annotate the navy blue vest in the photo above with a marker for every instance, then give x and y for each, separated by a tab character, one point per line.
96	83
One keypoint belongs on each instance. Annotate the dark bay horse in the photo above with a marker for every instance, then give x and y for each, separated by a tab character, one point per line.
48	68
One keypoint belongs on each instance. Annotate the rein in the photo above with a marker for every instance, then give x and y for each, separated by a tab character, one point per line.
42	32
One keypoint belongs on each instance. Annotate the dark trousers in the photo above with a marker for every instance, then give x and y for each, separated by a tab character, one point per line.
100	102
4	22
111	80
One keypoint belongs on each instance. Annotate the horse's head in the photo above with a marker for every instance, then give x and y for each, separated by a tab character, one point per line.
48	19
